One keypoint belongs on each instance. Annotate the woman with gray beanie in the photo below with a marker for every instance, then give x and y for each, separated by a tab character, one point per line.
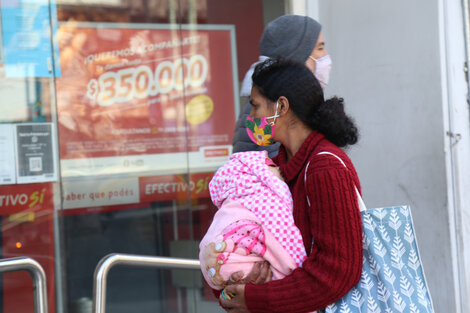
294	37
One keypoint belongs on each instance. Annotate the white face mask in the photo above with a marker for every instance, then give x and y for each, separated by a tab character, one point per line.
322	69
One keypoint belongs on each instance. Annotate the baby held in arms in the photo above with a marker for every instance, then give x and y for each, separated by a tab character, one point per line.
254	221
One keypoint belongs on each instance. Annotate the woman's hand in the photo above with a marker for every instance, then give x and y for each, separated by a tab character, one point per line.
260	274
236	302
235	290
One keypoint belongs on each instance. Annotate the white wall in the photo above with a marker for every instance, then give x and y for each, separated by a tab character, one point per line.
392	66
455	26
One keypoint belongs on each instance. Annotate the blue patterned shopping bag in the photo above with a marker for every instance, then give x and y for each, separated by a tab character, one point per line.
392	278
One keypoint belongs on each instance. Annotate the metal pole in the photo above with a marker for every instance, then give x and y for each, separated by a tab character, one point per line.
37	274
111	260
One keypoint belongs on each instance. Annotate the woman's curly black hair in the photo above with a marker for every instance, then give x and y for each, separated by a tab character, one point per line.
281	77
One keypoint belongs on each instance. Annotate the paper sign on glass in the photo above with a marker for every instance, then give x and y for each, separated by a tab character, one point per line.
35	147
28	39
7	155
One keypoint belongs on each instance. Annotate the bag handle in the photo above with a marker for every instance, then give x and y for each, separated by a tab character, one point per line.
362	205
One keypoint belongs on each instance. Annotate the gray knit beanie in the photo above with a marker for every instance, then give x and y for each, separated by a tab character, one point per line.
290	36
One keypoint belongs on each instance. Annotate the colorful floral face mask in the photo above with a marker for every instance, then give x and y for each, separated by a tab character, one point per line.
260	131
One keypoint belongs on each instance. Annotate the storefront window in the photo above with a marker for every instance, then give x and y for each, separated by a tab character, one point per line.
115	115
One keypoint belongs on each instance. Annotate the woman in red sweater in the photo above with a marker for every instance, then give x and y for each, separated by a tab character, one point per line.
288	107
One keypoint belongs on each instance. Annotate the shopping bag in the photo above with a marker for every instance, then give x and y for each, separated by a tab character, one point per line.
392	278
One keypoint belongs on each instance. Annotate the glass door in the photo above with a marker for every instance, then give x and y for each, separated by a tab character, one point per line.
115	116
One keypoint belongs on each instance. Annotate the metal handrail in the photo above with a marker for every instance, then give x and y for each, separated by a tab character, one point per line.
111	260
37	274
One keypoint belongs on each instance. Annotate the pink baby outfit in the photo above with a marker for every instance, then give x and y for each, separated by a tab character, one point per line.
254	221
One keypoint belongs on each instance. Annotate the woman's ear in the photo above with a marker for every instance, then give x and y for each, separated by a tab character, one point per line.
283	105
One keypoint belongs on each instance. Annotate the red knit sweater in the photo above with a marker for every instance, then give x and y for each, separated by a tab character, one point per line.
333	219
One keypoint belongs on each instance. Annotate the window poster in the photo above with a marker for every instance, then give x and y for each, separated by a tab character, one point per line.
29	31
35	147
145	99
7	155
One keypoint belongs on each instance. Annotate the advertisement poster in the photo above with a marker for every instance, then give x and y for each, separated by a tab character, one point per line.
35	147
143	99
7	157
28	38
